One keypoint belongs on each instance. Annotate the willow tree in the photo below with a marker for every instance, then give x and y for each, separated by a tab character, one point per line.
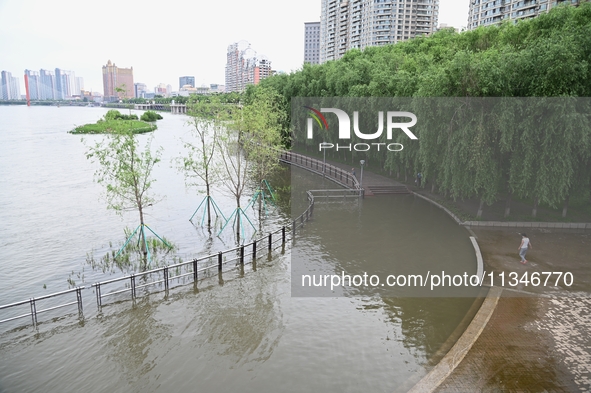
125	170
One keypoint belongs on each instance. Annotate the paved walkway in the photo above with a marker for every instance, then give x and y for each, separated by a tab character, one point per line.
538	339
370	180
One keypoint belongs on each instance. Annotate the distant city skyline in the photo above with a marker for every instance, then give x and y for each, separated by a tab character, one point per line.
162	49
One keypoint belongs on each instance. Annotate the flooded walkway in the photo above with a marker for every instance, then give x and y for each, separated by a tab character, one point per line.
538	339
373	183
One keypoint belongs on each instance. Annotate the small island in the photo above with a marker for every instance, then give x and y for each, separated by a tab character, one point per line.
114	122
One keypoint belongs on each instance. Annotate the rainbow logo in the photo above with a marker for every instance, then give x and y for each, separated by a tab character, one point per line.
318	117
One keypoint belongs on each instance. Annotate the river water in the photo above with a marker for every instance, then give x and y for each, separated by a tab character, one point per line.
247	333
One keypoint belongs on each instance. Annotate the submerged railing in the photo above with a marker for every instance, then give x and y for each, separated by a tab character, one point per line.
193	269
33	302
165	276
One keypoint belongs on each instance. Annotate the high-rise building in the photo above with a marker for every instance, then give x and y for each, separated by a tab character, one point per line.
9	87
186	80
4	86
66	84
60	84
47	89
140	90
117	78
244	67
162	90
312	42
47	85
493	12
32	84
348	24
80	81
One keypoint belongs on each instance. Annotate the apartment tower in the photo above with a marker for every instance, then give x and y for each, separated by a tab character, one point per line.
117	78
312	42
348	24
186	80
493	12
245	67
9	86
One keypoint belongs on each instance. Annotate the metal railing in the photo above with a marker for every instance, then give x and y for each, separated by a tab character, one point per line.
338	194
33	305
336	174
194	268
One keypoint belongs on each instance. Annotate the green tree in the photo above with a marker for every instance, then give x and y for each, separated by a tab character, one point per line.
125	170
262	123
199	165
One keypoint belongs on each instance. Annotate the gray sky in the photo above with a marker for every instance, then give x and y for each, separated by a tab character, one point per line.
161	42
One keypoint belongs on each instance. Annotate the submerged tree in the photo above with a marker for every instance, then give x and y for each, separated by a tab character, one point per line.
262	125
199	165
126	171
235	169
248	145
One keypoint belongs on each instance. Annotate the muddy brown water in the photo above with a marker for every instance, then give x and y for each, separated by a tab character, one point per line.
245	333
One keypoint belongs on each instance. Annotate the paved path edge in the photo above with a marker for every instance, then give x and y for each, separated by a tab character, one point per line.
456	218
456	354
509	224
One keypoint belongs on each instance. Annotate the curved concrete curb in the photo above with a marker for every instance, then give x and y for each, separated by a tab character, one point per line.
509	224
479	261
440	206
444	368
456	354
517	224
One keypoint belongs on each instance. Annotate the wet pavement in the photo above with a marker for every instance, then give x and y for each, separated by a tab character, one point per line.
539	337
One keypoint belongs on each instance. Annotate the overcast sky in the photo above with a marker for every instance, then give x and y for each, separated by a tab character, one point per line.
162	40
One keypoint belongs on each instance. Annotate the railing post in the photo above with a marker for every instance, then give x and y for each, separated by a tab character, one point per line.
195	270
166	278
242	254
311	208
132	286
254	250
33	311
98	295
79	298
270	242
219	261
283	234
293	229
